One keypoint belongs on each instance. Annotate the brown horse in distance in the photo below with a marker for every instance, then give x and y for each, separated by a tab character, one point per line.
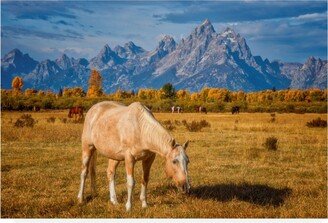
76	112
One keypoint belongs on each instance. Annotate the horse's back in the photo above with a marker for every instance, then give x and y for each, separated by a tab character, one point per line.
94	113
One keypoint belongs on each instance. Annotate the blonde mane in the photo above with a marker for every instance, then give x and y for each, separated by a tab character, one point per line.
153	132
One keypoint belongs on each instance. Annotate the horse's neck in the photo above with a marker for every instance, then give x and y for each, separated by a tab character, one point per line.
156	136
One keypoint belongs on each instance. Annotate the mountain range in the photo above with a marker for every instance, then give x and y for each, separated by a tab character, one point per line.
204	58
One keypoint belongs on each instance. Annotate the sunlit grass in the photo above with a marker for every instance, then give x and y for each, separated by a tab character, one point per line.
232	173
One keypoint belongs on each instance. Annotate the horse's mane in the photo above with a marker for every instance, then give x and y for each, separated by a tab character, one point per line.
152	130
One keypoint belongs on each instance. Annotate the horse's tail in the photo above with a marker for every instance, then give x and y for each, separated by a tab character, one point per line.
92	163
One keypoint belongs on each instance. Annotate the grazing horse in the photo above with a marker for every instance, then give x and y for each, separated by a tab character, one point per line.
76	112
129	133
235	110
202	109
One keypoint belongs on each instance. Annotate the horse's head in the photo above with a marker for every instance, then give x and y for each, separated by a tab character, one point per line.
177	166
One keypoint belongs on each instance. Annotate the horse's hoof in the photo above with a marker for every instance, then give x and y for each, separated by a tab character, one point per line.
114	202
80	200
144	205
128	207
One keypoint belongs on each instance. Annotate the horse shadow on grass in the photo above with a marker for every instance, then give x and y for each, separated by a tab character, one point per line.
256	194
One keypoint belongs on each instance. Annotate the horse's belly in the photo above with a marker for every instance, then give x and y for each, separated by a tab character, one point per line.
141	155
111	153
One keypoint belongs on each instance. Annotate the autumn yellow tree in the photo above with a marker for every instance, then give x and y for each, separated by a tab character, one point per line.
95	84
30	92
73	92
183	94
17	84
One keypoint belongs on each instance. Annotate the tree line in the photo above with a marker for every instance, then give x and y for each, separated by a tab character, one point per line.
216	99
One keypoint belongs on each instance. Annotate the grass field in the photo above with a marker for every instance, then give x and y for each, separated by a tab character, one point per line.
232	174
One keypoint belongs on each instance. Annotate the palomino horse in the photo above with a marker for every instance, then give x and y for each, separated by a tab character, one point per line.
76	112
129	133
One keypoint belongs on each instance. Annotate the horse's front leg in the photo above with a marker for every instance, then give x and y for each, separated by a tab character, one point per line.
129	167
146	164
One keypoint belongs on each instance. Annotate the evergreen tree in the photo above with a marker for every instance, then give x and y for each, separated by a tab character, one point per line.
169	91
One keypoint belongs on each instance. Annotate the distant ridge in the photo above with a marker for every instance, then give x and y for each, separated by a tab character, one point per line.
203	58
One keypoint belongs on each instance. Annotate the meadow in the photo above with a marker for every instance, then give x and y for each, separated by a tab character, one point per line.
232	174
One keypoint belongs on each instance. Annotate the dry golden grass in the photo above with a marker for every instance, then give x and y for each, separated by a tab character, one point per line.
232	174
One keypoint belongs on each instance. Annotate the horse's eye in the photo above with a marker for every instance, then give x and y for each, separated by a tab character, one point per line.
175	161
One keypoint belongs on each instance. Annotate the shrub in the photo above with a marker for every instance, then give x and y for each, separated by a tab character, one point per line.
204	123
167	122
51	119
177	122
25	120
168	125
271	143
19	123
195	126
318	122
63	120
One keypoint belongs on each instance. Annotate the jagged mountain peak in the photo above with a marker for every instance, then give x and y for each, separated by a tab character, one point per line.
130	45
129	50
311	60
15	63
64	56
133	47
106	57
105	50
165	46
206	28
64	62
167	43
14	52
229	32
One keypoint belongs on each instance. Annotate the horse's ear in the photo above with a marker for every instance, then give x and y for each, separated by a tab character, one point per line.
173	143
185	145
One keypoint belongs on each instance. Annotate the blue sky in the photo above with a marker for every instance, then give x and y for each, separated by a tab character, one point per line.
286	30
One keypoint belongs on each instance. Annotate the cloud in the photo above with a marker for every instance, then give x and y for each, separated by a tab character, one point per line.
20	32
240	11
289	39
38	10
62	22
69	50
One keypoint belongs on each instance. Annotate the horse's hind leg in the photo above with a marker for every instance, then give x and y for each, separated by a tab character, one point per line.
87	152
92	169
111	171
146	164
